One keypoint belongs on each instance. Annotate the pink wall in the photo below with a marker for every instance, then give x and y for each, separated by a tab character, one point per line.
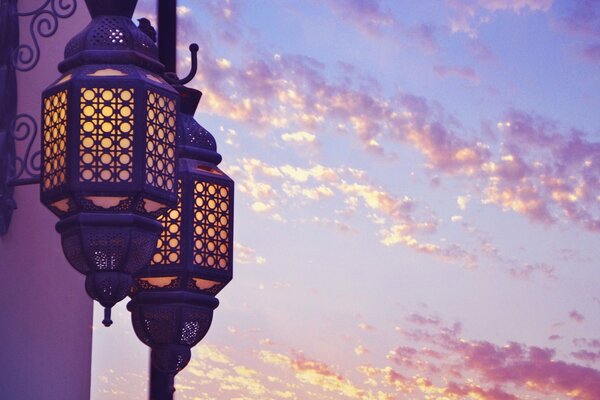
45	316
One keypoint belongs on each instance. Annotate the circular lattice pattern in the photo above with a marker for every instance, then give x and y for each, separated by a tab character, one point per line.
106	142
160	146
212	216
54	132
168	248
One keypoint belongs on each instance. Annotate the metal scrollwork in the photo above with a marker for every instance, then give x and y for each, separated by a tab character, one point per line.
24	129
43	23
9	39
21	169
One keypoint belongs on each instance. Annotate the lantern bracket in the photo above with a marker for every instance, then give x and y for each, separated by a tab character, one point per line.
172	78
16	169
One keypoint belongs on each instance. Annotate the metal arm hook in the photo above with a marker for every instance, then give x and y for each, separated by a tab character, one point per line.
172	78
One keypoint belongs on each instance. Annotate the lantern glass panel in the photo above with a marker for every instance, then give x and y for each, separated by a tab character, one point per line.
168	248
54	140
161	281
106	149
160	147
212	215
204	284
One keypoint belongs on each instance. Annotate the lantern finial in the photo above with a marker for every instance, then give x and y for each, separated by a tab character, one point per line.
107	321
123	8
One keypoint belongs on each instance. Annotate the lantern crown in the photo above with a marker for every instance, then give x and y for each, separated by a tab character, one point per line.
193	140
112	38
122	8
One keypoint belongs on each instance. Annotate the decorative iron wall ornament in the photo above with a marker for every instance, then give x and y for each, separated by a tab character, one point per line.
108	150
24	128
9	40
20	164
43	23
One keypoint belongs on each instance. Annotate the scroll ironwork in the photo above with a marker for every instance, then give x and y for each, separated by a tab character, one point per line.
43	23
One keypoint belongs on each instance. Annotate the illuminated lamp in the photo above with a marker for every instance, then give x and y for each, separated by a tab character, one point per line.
174	297
108	150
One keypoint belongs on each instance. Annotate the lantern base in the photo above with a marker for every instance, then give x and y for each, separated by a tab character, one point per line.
107	288
171	323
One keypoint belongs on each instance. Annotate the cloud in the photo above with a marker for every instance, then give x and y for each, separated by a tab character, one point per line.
576	316
314	373
298	137
496	372
367	15
366	327
399	219
467	73
469	14
360	350
527	270
550	180
247	255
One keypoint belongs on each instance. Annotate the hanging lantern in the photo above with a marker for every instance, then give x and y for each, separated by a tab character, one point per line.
173	300
108	150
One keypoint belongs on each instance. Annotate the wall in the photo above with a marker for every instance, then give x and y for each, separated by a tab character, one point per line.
45	314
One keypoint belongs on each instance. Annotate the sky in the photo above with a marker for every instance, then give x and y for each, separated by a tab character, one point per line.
417	202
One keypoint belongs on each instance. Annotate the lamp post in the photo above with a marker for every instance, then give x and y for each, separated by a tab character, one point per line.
174	297
144	209
173	300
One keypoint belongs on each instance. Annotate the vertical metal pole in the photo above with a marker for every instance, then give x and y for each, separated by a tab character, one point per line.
167	34
162	386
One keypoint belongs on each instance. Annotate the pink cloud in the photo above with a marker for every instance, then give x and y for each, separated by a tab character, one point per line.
585	355
550	180
444	71
469	14
500	371
422	320
576	316
473	391
527	270
581	18
368	15
428	129
481	51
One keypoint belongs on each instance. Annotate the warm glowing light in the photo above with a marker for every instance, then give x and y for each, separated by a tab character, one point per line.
204	284
212	214
107	72
169	242
106	153
160	282
160	146
54	132
105	201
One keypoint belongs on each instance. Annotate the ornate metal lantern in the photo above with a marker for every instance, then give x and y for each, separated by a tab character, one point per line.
173	300
108	150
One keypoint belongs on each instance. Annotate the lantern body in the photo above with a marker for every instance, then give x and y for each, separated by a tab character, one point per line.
108	140
194	255
108	149
195	248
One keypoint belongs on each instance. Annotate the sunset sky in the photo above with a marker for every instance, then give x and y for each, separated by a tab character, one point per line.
417	202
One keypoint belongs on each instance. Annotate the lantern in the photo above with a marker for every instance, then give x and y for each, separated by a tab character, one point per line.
173	300
108	150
